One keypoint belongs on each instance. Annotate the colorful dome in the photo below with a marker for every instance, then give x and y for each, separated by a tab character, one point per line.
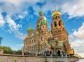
56	13
42	22
29	29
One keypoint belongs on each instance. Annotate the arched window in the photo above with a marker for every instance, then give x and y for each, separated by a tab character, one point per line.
56	17
59	23
37	26
55	24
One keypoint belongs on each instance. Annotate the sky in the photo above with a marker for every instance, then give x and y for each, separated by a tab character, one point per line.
16	16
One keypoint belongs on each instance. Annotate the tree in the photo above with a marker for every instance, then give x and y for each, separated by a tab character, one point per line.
7	50
19	52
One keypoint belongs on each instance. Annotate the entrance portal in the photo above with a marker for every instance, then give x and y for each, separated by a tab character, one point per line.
59	53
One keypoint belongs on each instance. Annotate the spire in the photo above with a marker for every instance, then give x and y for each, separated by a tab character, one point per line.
40	13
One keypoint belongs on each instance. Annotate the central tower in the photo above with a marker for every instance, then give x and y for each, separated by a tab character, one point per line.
42	26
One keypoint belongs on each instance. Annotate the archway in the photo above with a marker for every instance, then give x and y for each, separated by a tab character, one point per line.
58	52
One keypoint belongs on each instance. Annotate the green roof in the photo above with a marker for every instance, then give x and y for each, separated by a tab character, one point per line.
30	29
42	22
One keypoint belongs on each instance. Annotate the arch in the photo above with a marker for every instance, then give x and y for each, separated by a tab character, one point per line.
59	23
58	52
55	24
58	17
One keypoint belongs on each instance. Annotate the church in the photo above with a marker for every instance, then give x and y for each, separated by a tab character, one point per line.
41	39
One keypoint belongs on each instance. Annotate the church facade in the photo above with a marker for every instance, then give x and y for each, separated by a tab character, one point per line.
41	39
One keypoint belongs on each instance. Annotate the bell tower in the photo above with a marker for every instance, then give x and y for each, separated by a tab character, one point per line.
57	27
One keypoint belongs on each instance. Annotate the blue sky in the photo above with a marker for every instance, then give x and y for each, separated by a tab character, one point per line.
17	16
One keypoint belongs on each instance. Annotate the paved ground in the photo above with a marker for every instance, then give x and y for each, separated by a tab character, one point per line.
32	59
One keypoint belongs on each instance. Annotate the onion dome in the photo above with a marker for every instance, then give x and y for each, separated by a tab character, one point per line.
42	20
29	29
56	13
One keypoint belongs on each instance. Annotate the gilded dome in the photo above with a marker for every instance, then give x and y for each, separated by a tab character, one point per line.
56	13
29	29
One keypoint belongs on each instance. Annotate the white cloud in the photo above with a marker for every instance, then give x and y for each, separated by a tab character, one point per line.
82	55
20	16
18	7
14	28
12	24
80	32
2	22
77	43
74	8
18	2
21	45
77	40
20	35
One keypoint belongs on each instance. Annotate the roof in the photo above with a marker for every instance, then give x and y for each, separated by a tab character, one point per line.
56	13
42	22
30	29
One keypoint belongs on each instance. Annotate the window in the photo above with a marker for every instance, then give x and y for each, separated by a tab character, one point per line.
56	17
43	26
59	23
55	24
32	40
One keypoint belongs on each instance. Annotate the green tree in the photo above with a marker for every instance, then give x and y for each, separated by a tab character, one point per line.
7	50
19	52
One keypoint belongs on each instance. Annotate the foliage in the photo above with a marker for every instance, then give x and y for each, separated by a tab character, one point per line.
7	50
18	52
30	29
